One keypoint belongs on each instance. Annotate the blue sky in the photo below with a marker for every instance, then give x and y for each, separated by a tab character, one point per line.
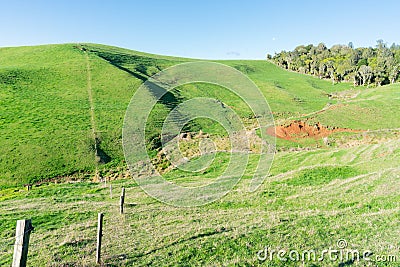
214	29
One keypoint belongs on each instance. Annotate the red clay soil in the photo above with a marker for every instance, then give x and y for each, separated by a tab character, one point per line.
300	129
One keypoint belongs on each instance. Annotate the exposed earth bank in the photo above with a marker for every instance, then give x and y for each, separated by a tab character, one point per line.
300	129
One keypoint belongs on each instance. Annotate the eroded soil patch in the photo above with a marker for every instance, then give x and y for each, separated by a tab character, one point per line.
301	129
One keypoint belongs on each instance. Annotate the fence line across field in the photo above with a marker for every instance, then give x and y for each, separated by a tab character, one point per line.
24	228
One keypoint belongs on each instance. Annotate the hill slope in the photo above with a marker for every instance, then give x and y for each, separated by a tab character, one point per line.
58	102
47	93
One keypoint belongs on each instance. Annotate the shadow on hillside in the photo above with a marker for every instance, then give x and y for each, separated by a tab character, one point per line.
167	98
102	156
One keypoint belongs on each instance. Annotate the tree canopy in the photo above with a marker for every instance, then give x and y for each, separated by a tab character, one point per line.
363	66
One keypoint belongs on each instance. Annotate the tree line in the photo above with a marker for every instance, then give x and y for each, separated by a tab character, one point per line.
377	65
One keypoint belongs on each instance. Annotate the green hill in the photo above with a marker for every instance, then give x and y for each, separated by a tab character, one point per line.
335	174
46	121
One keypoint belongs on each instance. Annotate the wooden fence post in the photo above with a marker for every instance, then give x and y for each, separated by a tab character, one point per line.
99	235
110	190
121	204
122	200
22	233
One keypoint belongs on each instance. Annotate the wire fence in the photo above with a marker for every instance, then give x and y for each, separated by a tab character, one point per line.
75	243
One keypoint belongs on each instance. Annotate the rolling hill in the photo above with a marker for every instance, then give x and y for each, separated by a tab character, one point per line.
62	107
46	124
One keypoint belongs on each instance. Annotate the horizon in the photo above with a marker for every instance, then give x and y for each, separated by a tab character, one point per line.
230	31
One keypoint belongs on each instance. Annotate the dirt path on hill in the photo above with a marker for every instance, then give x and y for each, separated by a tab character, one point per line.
91	111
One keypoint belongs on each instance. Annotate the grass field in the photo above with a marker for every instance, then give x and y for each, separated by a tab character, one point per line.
317	192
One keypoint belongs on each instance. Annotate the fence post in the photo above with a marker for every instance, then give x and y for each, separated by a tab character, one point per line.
122	200
22	233
110	190
121	204
99	235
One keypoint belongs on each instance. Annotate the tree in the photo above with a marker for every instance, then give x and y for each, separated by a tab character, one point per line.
394	47
366	74
393	73
356	78
321	47
330	67
380	44
314	65
322	70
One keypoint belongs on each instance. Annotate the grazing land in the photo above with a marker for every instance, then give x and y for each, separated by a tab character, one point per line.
335	174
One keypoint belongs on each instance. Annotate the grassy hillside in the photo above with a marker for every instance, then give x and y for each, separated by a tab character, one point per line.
58	101
45	92
46	124
311	200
